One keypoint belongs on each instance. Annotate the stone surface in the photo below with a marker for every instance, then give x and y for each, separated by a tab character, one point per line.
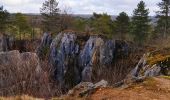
42	50
155	70
73	62
85	88
89	56
102	83
148	68
6	43
63	57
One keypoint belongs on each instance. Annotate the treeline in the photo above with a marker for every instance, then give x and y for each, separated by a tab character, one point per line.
137	27
18	25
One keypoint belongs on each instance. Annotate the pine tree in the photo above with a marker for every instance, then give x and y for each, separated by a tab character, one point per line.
50	14
22	25
4	20
163	17
122	24
140	23
102	24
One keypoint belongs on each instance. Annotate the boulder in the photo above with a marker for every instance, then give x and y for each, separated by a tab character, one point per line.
18	71
100	84
86	88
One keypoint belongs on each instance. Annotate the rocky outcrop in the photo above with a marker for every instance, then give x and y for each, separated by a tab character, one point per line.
149	65
18	70
89	56
73	60
99	54
64	52
42	50
86	88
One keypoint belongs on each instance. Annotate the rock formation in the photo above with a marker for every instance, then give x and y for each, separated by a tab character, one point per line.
85	88
73	62
63	57
149	65
42	50
17	70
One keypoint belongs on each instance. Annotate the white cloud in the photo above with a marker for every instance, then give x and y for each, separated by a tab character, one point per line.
113	7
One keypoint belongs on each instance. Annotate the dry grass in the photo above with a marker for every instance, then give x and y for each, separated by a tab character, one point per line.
157	58
150	89
161	42
23	97
117	71
166	77
20	76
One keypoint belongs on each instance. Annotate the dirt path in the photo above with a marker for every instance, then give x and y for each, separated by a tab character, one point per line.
152	89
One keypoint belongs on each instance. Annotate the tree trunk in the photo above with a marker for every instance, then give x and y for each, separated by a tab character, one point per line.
20	35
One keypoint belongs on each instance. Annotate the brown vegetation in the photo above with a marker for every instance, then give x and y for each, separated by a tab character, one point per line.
151	89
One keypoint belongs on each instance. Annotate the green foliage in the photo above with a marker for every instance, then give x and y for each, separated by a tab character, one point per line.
80	24
50	14
102	24
4	19
163	18
140	23
122	24
21	24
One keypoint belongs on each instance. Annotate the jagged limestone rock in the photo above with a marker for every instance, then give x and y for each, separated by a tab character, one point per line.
70	65
44	47
63	57
89	57
99	54
150	66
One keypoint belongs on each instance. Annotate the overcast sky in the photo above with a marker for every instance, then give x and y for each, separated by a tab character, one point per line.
113	7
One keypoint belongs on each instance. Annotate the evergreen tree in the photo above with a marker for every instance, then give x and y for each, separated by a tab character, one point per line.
4	20
122	24
163	17
22	25
51	17
140	23
102	24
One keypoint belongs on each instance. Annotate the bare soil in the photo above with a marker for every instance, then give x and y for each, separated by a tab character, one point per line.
152	89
